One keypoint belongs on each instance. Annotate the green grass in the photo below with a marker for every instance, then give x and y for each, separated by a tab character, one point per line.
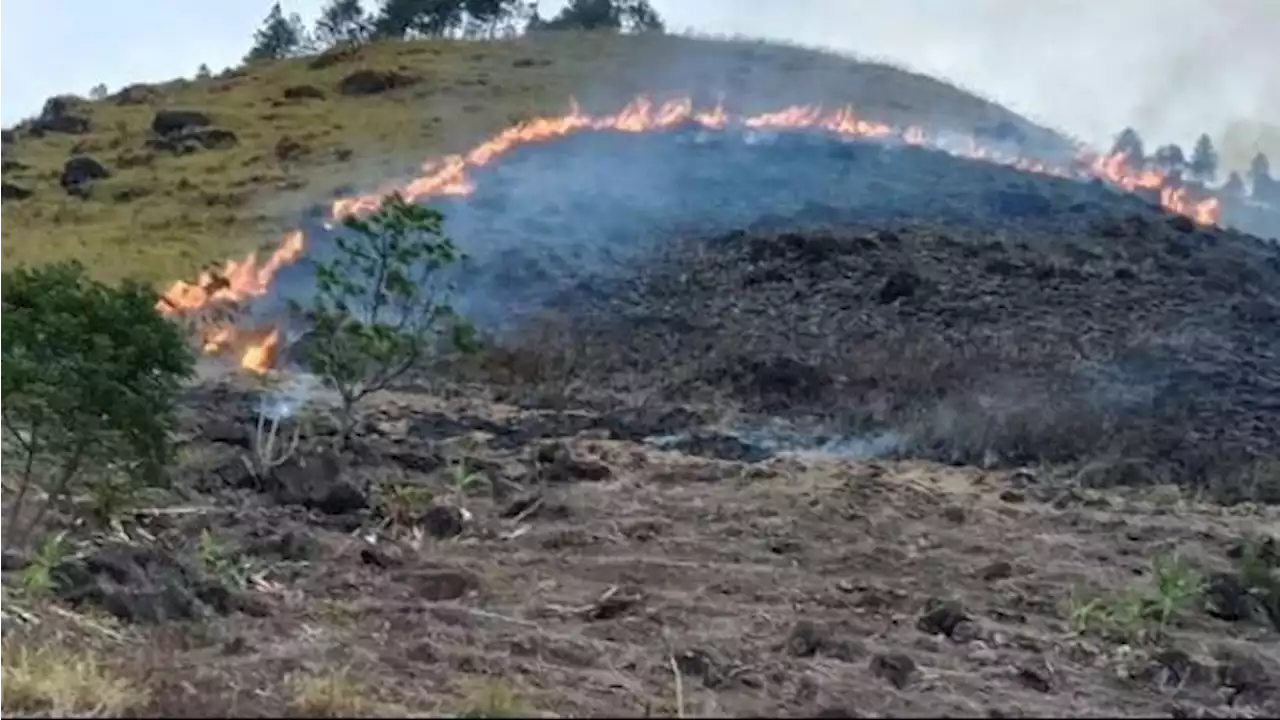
199	208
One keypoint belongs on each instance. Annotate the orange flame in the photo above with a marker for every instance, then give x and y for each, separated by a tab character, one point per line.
242	280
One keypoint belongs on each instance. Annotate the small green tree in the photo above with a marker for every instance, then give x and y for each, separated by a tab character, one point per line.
90	376
380	306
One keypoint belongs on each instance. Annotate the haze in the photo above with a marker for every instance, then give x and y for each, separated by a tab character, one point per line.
1172	68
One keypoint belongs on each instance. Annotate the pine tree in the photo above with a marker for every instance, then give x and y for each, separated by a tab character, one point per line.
279	36
342	21
1204	160
1129	144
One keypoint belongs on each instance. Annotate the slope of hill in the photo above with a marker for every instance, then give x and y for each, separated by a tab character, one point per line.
284	135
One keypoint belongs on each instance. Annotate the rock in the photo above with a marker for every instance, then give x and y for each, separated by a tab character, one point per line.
137	94
804	640
288	149
445	585
12	560
316	482
61	115
898	668
170	122
901	284
941	617
79	173
290	546
1247	675
12	191
442	521
185	142
1230	599
303	92
557	463
8	165
998	570
1011	495
144	585
1036	678
372	82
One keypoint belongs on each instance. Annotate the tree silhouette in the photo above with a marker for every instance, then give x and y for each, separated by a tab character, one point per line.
279	36
1204	160
615	15
1170	159
1264	186
1129	145
343	21
1235	186
431	18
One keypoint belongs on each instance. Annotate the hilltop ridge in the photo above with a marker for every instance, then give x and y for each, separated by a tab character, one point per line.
280	136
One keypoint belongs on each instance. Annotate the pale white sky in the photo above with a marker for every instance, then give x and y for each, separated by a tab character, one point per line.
1171	67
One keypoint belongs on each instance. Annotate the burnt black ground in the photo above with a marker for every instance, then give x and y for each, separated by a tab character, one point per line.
1010	319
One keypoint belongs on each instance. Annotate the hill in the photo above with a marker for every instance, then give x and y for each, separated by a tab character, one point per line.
285	135
793	423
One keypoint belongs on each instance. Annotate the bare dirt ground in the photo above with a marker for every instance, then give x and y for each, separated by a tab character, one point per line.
596	576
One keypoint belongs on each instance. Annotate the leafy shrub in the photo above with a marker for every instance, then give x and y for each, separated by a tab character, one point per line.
379	306
90	376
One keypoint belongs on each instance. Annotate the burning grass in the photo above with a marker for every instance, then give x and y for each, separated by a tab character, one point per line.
162	215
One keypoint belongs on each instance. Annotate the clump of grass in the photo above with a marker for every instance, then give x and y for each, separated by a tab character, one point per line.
331	693
490	699
54	680
1144	613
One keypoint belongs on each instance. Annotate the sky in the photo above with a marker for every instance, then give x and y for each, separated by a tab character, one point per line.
1172	68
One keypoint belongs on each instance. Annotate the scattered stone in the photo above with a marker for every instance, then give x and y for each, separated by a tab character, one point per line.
172	122
442	521
303	92
1230	599
941	617
61	114
954	513
901	284
289	149
1011	495
291	546
445	585
557	463
1038	679
79	173
12	191
998	570
898	668
137	94
372	82
316	482
9	165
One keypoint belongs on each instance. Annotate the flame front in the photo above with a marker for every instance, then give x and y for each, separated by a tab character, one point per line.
216	294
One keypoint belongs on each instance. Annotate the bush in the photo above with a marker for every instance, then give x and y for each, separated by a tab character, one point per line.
90	375
379	306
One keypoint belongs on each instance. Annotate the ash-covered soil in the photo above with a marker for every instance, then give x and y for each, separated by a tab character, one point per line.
833	463
985	316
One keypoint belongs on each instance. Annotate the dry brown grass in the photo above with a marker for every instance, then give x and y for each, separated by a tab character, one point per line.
193	209
56	680
333	693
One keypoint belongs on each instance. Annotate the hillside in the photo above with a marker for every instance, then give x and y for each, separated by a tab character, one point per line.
294	137
764	422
